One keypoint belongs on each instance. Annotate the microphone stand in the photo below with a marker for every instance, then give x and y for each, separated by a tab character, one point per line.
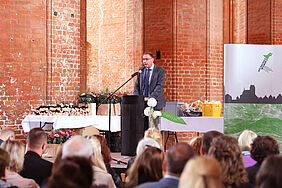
108	99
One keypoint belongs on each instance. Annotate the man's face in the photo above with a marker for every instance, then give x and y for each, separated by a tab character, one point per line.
147	61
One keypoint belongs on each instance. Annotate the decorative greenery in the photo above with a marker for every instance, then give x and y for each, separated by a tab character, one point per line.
92	97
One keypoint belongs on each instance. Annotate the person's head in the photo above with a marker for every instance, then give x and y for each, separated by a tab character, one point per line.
4	162
154	134
97	158
262	147
196	144
77	146
201	172
105	150
207	139
227	152
72	172
7	133
246	139
147	167
148	59
16	151
37	140
270	174
144	142
176	158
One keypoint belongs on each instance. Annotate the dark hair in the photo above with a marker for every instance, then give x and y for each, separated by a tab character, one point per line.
36	137
149	53
227	152
207	139
263	146
196	144
105	150
4	161
72	172
270	174
177	156
147	167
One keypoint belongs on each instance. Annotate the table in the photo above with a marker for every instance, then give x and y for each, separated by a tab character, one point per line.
69	122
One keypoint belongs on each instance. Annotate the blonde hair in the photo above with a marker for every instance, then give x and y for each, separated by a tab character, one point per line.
16	151
196	144
7	133
97	159
154	134
246	139
201	171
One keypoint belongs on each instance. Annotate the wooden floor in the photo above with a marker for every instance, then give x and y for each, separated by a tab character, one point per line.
119	161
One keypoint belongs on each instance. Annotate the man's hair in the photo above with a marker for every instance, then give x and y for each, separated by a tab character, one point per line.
4	161
177	156
149	53
77	146
36	137
207	139
6	132
262	147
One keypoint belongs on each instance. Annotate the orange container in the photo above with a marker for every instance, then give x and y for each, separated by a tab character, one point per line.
213	110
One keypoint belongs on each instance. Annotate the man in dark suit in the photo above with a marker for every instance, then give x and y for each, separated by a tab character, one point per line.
150	81
173	165
34	166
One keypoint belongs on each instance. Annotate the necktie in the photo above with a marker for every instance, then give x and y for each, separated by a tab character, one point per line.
146	90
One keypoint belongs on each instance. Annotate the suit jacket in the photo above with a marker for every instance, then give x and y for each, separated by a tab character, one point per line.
35	167
102	178
155	87
252	172
166	182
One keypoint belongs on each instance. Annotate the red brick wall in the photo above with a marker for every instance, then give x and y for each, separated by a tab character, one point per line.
276	22
259	21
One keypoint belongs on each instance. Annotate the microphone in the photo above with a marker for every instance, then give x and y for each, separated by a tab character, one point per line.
138	72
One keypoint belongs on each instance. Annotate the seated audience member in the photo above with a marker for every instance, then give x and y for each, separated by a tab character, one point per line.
6	133
147	167
207	140
4	164
173	164
106	153
34	166
262	147
16	151
245	140
142	144
270	173
72	172
226	151
196	143
102	177
201	172
154	134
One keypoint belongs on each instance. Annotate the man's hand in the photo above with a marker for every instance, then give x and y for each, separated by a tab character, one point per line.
146	98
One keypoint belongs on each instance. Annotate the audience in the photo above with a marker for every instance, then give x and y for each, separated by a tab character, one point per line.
106	153
102	177
201	172
226	151
196	144
147	167
4	164
173	164
270	173
207	140
16	151
262	147
6	133
34	166
245	140
72	172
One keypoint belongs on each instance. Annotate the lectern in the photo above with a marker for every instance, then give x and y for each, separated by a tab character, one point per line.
132	123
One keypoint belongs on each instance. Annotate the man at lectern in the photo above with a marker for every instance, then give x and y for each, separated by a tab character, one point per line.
150	81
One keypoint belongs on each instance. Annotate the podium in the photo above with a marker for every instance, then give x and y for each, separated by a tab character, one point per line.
132	123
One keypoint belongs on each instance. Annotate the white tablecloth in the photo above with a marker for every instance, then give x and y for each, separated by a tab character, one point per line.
193	124
60	122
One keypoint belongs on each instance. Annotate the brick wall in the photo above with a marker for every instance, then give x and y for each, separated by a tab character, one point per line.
276	22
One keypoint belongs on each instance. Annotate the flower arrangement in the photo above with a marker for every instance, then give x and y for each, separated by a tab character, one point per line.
92	97
62	109
59	136
152	114
193	109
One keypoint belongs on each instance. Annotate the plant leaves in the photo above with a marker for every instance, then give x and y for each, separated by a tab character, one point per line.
173	118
